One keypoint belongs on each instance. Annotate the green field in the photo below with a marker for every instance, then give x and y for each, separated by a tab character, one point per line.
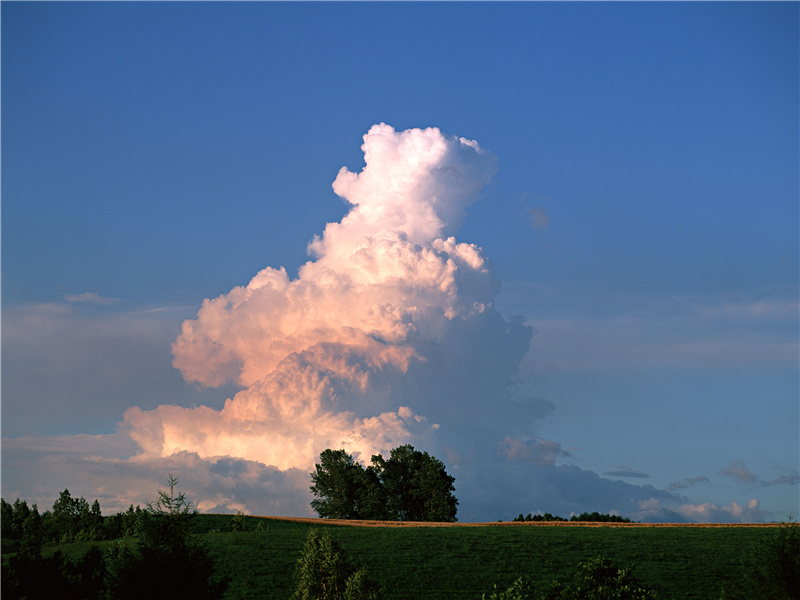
464	562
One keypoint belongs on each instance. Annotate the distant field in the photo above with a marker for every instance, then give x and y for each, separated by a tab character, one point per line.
463	561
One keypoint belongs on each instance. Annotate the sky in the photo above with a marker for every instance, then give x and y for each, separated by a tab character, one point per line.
555	245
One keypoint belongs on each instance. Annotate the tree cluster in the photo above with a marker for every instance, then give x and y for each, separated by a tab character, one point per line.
408	486
585	517
164	562
70	520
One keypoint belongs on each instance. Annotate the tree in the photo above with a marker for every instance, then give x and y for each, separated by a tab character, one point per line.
409	486
323	573
344	489
416	486
166	562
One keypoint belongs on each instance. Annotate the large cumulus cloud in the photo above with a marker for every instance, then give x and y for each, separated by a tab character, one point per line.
388	327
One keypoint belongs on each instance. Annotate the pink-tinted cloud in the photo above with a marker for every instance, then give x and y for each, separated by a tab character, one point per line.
319	356
706	512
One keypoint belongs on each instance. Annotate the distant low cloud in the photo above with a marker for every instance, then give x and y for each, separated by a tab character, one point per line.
622	471
655	510
738	471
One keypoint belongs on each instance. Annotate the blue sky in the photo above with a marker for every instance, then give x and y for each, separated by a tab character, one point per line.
643	219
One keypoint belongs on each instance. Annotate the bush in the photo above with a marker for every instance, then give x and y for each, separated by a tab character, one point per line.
323	573
166	563
771	569
595	579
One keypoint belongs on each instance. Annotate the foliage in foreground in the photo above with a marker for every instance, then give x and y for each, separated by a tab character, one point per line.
323	573
408	486
595	579
771	569
166	562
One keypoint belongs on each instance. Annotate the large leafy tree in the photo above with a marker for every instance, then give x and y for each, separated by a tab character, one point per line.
416	486
408	486
343	488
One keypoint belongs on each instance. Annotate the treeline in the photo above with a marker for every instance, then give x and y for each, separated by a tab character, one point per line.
70	520
164	561
594	517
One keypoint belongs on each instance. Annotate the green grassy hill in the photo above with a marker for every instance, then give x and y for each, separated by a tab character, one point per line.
464	562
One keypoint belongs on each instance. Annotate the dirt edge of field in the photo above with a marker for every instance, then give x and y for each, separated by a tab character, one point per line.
359	523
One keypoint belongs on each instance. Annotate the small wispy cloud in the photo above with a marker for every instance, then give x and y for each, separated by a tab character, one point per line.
738	470
89	298
688	483
792	479
538	217
540	452
622	471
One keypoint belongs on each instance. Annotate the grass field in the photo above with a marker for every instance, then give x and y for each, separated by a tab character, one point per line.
463	562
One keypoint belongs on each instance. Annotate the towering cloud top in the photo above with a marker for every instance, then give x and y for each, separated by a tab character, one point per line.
415	184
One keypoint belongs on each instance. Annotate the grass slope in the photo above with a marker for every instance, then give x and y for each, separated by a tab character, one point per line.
465	562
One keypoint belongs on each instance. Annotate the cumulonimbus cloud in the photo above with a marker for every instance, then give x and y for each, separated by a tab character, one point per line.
319	356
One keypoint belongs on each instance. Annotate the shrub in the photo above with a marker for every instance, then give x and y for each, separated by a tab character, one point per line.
323	573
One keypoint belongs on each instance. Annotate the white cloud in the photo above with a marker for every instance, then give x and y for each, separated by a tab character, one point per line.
90	298
321	356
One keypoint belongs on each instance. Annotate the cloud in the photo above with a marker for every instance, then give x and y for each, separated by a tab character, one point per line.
542	453
622	471
37	469
738	471
749	512
688	483
345	354
389	334
723	331
706	512
64	366
89	297
538	217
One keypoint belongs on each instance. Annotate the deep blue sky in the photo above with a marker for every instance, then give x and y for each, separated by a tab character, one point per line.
643	218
